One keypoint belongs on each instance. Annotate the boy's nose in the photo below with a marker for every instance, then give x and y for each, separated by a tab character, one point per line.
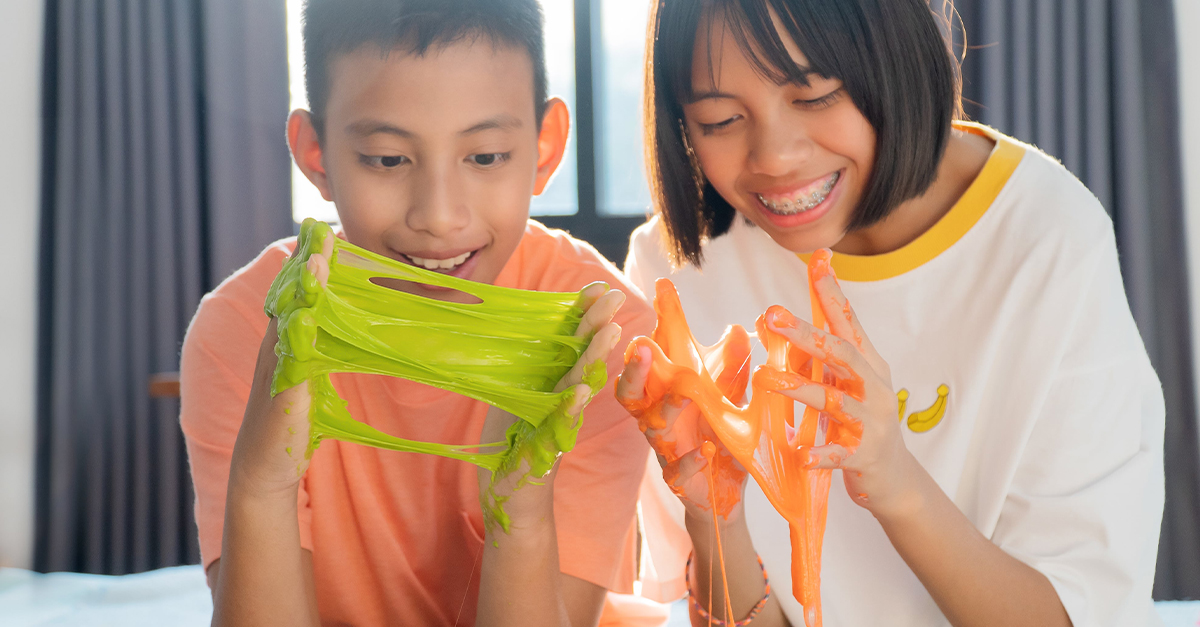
439	207
778	149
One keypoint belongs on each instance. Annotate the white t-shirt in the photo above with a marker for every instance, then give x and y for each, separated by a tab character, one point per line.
1052	431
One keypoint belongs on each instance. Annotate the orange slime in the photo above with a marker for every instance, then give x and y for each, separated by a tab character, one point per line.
761	436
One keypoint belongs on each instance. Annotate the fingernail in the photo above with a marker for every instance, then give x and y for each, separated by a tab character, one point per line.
782	318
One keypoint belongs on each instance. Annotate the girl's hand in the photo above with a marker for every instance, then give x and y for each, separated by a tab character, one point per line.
269	456
879	473
679	443
531	502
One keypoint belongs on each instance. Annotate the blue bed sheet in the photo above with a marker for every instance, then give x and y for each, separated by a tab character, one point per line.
179	597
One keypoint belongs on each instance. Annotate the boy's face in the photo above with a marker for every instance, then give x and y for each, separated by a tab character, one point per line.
431	160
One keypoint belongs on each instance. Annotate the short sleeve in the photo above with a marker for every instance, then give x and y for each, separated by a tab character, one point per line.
216	370
1085	504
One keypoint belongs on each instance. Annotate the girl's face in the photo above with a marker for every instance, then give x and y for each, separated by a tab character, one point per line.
793	159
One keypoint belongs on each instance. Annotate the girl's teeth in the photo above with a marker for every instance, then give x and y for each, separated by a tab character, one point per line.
803	203
439	264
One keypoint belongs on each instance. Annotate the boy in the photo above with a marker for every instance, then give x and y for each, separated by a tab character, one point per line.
429	130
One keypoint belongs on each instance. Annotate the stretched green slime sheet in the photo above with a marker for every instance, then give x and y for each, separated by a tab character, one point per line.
509	351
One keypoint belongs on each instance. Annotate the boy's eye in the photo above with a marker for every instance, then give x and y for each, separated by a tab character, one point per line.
709	129
489	159
387	162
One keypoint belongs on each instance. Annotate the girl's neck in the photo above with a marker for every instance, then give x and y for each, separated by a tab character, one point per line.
966	154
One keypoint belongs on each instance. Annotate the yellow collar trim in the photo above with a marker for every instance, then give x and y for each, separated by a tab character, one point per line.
1005	158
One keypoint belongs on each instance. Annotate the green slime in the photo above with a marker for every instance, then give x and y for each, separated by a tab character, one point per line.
509	351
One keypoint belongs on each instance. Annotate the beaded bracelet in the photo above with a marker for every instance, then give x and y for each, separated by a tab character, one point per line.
687	579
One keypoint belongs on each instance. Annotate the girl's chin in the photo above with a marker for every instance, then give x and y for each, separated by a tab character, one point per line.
799	240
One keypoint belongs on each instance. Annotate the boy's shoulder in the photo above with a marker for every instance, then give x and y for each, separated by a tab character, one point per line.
552	260
239	298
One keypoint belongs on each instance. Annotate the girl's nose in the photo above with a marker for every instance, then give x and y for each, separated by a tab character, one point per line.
778	149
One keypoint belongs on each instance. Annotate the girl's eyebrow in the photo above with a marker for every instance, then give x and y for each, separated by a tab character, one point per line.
711	94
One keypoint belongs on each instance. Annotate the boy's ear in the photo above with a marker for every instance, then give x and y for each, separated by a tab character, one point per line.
306	150
552	142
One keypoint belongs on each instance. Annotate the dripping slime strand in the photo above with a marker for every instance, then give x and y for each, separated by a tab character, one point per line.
709	450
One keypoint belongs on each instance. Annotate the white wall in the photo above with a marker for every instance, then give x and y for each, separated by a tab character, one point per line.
20	149
1187	15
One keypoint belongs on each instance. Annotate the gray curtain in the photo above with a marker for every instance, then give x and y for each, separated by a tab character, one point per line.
1095	83
165	168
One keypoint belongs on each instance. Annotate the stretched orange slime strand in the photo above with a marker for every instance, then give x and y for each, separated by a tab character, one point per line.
761	436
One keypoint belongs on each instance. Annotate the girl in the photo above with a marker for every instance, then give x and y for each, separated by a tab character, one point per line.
1023	483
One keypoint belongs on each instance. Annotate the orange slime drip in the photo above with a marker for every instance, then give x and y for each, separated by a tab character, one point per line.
762	436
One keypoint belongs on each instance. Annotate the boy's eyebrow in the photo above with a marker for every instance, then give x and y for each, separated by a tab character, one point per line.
501	122
367	128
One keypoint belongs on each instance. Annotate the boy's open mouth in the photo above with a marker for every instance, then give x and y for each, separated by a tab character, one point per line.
440	265
460	265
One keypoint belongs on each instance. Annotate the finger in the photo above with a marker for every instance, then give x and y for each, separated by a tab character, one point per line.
822	345
598	349
828	456
327	246
677	473
582	394
318	265
669	411
843	322
600	313
590	294
819	396
631	385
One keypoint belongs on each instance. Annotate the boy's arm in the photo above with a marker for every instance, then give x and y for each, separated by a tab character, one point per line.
521	581
264	577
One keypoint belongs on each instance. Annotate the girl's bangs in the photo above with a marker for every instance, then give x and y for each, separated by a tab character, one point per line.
759	39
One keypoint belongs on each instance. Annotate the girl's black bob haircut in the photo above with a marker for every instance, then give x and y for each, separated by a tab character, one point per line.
891	55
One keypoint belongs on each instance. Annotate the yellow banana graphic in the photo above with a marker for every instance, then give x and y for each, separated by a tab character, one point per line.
902	396
926	419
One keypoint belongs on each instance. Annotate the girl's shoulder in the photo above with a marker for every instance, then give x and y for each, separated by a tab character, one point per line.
1042	199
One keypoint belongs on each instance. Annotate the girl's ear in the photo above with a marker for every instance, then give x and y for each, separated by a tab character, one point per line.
306	150
552	142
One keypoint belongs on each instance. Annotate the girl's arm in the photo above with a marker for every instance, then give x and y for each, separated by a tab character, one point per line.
521	582
706	589
973	581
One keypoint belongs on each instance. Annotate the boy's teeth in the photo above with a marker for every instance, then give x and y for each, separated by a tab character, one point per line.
804	202
439	264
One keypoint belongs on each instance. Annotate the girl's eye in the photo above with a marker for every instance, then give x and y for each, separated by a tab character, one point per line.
709	129
387	162
489	159
823	102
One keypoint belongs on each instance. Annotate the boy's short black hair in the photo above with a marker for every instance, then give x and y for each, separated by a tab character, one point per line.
333	27
890	54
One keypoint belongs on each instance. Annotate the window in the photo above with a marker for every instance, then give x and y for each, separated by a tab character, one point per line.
594	56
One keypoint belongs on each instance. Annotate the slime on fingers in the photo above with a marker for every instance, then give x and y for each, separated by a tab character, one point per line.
763	435
509	351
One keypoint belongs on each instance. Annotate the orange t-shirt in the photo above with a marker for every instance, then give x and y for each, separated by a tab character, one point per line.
396	537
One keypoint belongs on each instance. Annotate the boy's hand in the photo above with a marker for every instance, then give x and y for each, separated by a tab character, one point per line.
533	500
269	456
